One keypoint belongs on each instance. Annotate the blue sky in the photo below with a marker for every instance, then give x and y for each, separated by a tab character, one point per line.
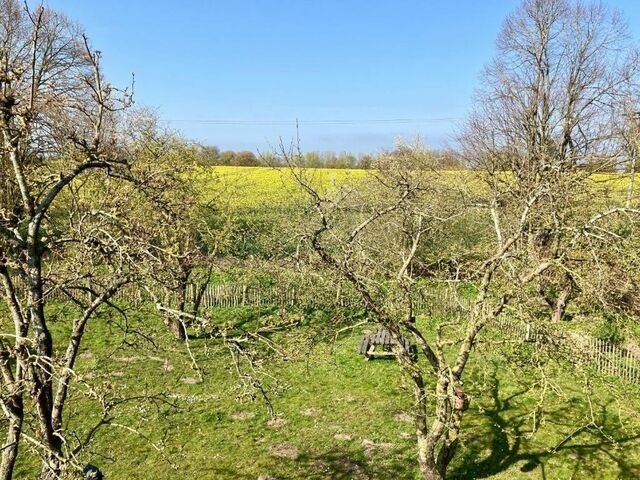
260	64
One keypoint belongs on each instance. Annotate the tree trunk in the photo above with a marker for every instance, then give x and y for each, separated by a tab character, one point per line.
426	444
438	444
12	442
177	328
560	305
428	468
51	469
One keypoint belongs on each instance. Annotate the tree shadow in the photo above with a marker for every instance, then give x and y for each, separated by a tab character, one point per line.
505	433
336	464
346	464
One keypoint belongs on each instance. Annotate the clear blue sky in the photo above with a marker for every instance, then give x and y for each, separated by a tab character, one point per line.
256	62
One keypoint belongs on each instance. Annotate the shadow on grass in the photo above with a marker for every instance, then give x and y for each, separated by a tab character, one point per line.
334	464
348	465
505	433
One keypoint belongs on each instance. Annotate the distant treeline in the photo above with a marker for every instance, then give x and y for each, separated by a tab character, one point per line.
442	159
212	155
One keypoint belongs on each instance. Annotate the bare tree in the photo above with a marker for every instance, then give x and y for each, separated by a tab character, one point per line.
551	102
163	194
58	124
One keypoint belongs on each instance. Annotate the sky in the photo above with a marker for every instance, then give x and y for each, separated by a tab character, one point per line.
357	74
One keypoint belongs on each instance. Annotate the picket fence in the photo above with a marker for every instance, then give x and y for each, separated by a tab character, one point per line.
600	355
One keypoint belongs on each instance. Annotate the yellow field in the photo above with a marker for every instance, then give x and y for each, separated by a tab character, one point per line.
242	187
256	186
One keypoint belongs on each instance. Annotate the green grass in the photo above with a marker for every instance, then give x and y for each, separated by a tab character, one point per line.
338	416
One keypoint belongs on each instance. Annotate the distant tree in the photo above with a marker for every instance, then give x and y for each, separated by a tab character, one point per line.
365	160
312	160
228	157
449	159
329	159
267	159
245	158
346	160
208	155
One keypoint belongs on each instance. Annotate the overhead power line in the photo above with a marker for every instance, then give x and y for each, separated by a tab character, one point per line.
370	121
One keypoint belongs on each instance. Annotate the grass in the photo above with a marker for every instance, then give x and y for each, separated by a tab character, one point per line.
337	416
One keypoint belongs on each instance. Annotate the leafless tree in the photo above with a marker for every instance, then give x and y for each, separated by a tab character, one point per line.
551	102
554	101
163	194
58	127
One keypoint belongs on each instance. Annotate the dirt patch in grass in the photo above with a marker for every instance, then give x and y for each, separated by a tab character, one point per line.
403	417
277	422
242	416
370	446
134	358
189	380
311	412
284	450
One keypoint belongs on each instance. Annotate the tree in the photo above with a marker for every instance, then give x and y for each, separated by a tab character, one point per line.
228	157
369	237
181	241
550	103
246	159
208	155
60	137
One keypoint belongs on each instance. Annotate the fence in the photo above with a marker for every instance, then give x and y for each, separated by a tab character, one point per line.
235	295
600	355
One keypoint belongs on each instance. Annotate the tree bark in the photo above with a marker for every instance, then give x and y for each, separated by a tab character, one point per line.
51	468
11	444
177	329
560	305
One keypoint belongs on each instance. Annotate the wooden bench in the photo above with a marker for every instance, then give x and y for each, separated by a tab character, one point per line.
383	339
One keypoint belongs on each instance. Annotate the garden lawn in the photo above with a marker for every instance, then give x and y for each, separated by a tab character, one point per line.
336	415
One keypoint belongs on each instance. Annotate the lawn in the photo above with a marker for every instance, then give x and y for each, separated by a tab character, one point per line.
336	415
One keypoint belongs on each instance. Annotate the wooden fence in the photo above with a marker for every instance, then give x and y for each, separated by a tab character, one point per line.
602	356
236	295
